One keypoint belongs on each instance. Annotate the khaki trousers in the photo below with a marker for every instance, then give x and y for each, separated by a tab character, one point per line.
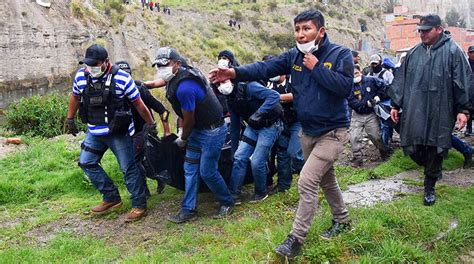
320	154
368	123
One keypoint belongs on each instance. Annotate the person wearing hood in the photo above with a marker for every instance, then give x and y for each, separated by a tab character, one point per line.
432	88
322	76
364	96
203	133
377	70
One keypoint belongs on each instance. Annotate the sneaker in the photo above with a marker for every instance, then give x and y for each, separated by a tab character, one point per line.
183	216
258	197
237	199
135	214
467	160
223	211
105	207
161	186
290	248
335	229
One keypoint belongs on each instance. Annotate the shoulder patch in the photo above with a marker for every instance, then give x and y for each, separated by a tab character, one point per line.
297	68
328	65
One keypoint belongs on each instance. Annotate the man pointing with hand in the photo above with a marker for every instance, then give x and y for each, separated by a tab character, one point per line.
322	77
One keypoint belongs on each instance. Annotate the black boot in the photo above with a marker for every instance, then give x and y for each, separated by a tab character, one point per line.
290	248
430	195
335	229
467	160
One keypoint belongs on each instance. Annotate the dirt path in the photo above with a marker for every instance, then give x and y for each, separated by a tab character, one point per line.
6	149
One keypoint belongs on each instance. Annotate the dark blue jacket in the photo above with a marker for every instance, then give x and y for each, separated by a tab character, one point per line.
368	88
320	95
257	93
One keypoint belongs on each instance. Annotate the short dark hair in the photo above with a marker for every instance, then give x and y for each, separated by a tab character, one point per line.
357	67
313	14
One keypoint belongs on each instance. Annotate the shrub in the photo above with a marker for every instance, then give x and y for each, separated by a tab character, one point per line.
77	9
362	21
38	115
272	6
237	15
370	13
284	40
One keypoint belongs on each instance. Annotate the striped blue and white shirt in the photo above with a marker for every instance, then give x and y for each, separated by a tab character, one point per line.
124	86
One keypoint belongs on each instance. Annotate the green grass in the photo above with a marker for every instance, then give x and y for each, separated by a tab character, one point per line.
43	184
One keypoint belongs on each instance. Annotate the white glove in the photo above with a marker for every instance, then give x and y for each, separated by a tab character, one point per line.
376	99
180	142
369	104
180	132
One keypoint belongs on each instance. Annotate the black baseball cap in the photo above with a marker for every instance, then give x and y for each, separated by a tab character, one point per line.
428	22
124	65
470	49
164	55
94	54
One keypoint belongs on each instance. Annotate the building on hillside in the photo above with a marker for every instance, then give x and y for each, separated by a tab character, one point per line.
400	30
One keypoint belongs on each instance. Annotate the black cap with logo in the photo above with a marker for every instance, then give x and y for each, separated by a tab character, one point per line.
470	49
94	54
428	22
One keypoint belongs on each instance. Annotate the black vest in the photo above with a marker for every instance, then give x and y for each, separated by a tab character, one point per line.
101	107
239	102
289	112
208	111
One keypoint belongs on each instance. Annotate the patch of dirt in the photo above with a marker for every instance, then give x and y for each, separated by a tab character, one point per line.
371	192
6	148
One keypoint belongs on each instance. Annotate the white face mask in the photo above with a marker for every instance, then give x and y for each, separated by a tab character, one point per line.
309	47
357	79
223	63
275	79
165	73
95	71
226	88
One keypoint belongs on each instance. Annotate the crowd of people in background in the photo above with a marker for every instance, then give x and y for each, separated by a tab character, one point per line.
303	106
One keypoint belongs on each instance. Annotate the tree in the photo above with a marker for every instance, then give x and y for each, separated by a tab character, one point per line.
454	19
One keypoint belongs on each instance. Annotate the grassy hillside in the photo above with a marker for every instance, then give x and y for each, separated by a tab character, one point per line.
44	200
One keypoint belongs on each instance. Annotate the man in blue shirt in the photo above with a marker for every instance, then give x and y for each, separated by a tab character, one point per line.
203	134
322	77
102	93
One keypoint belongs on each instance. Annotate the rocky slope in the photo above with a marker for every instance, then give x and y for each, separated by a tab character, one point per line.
40	47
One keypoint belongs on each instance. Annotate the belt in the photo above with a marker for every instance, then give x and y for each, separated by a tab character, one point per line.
214	125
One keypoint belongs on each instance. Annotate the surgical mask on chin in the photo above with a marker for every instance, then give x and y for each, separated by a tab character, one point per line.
223	63
275	79
357	79
226	88
95	71
165	73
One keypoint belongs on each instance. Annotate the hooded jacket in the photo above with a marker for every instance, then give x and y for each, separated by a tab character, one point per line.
319	95
432	88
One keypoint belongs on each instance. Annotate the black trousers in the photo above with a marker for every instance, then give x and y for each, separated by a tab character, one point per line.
430	159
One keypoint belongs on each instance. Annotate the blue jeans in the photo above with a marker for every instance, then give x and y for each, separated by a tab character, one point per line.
460	145
121	145
254	147
202	156
387	134
289	154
